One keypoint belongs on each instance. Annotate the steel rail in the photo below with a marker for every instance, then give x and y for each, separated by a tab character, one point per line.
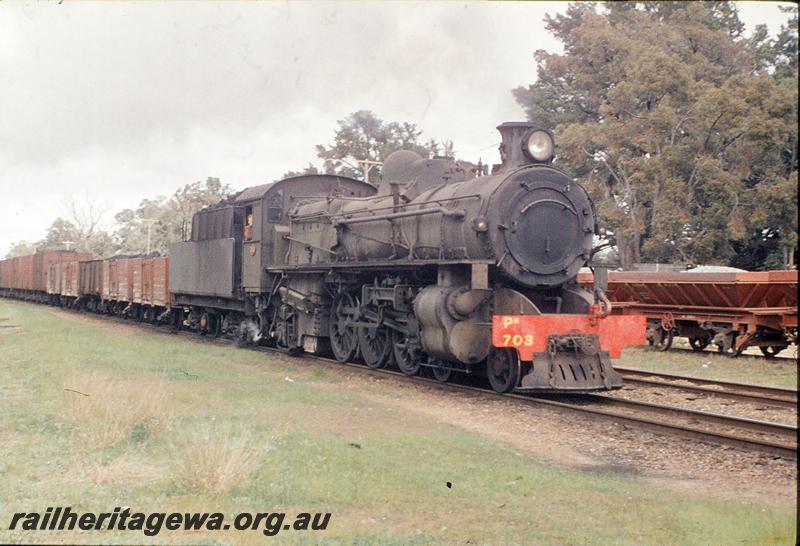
745	423
783	447
752	393
654	423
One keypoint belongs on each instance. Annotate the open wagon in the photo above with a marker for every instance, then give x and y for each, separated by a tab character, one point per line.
151	295
734	311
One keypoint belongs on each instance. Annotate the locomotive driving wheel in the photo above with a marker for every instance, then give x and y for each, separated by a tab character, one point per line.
503	369
406	353
344	339
442	371
375	343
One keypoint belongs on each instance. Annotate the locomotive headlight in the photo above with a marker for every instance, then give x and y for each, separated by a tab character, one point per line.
539	146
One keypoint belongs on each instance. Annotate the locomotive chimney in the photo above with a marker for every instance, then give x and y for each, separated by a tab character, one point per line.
524	143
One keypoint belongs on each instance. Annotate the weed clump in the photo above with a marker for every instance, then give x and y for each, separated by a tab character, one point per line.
105	411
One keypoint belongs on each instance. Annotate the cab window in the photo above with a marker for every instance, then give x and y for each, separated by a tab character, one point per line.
248	223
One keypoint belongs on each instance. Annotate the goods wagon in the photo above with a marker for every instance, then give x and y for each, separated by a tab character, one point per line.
135	286
91	284
43	260
150	287
27	277
5	275
24	273
117	274
63	282
733	311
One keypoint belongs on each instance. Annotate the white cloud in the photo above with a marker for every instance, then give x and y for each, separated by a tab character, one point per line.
131	100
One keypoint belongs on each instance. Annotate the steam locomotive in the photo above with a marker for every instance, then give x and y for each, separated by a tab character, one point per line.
441	267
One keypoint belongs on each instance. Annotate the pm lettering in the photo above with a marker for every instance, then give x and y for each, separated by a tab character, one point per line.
508	321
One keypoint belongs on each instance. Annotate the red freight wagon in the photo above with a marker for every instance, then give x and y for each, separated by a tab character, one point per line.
90	286
125	279
6	269
134	271
110	279
54	279
24	273
26	277
91	278
116	290
64	280
161	295
150	287
151	282
42	261
732	310
117	280
137	287
70	277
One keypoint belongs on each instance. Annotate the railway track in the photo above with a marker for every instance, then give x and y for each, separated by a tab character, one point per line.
731	431
773	438
772	396
749	434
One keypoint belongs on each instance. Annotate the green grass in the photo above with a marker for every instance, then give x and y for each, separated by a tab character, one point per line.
172	425
778	372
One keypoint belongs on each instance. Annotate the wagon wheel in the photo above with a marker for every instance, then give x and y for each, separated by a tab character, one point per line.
662	340
225	325
503	369
699	343
375	343
726	344
344	339
203	325
177	317
771	351
442	371
406	353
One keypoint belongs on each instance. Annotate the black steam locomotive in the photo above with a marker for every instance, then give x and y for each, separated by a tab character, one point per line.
440	267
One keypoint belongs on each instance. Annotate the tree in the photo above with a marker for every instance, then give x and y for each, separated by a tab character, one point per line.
310	169
679	127
60	235
166	220
21	248
363	136
79	232
131	235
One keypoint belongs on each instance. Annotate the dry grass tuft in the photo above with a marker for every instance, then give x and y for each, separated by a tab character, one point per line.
127	469
215	459
106	411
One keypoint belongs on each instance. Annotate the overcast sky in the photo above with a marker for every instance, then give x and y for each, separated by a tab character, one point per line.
123	101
